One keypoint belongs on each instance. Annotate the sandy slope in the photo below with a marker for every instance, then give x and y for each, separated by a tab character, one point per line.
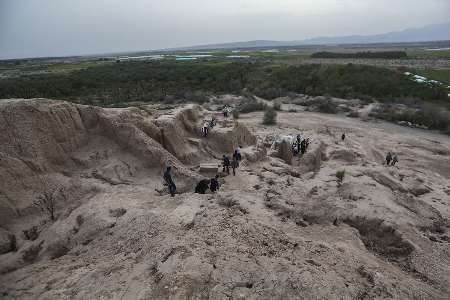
274	231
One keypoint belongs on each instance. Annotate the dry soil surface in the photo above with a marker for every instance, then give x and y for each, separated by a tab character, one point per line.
282	228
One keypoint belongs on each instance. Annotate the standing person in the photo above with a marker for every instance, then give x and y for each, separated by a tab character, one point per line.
394	160
225	111
238	154
235	159
294	149
303	147
212	123
226	164
388	158
299	141
234	165
205	129
214	184
168	180
307	143
343	137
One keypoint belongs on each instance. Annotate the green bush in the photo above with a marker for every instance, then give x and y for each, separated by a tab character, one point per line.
327	106
270	117
340	175
111	84
429	115
251	105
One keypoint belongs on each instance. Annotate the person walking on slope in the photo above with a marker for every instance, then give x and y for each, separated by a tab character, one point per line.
214	184
168	180
234	165
205	129
303	147
226	164
299	142
394	160
343	137
388	158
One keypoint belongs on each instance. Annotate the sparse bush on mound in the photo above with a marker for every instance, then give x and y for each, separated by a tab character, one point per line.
80	220
340	175
31	234
46	201
270	117
227	202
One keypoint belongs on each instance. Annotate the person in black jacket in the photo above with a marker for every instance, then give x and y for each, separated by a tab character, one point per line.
168	180
226	164
214	184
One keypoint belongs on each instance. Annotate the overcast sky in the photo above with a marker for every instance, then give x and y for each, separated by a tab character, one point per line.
31	28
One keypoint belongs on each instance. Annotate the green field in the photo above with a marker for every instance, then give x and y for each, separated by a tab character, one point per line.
439	75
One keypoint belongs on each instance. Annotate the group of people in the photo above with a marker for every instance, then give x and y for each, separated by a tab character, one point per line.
234	163
300	145
205	184
391	159
226	111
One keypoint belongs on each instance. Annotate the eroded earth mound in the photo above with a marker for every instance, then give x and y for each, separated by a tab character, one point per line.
283	227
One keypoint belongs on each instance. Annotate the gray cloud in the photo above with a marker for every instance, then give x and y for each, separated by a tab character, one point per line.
31	28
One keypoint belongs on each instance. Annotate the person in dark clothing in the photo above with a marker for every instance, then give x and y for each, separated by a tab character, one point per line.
169	182
214	184
394	160
202	186
343	136
236	158
238	154
303	147
234	165
299	141
388	158
205	129
295	149
226	164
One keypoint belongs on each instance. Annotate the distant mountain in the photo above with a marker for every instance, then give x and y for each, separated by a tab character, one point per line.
438	32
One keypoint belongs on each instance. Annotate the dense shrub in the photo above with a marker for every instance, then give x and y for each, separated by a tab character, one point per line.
380	54
426	114
270	117
251	105
119	84
327	106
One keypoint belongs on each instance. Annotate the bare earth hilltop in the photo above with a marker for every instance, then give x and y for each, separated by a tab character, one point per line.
283	228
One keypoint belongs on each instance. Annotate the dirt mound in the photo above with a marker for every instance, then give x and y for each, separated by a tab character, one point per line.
274	230
43	137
